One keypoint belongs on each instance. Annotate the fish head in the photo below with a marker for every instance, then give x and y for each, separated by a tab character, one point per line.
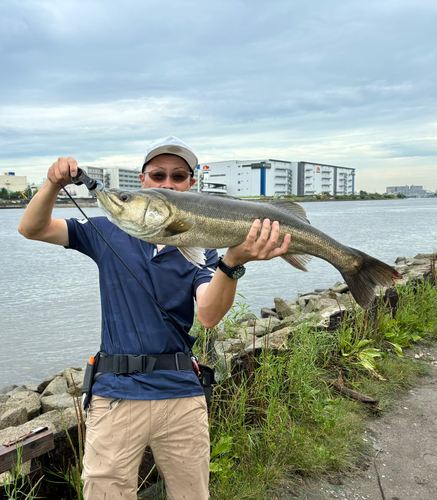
142	213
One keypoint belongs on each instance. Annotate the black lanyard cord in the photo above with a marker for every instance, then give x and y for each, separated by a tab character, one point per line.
163	311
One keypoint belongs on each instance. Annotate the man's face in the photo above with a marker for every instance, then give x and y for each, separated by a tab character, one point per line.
167	164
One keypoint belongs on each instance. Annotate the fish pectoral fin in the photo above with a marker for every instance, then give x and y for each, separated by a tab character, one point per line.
178	227
291	207
298	261
195	255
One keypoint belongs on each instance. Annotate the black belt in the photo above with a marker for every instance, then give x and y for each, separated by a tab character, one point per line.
144	363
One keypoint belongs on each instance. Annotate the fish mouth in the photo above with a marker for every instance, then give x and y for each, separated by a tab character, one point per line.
106	199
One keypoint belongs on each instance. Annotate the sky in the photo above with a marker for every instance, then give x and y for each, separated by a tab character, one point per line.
344	82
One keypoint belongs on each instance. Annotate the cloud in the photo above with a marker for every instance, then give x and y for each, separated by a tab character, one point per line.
345	83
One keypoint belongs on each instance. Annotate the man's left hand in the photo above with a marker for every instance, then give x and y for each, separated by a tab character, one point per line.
258	247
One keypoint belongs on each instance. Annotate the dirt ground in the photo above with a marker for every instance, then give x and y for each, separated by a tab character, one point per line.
404	464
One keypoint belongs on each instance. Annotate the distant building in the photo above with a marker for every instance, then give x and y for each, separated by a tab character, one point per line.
13	182
274	177
110	177
409	191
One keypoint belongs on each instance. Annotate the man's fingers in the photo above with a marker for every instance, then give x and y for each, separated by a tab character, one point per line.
283	248
264	234
62	170
251	237
73	166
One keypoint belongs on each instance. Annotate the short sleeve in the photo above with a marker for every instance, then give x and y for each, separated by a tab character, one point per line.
82	236
207	271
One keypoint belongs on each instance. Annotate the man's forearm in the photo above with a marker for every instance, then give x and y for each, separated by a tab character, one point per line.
37	218
216	300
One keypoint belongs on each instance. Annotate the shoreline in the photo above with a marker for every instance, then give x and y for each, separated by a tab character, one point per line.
86	203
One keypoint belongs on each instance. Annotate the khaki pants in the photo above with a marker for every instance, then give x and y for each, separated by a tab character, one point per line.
175	429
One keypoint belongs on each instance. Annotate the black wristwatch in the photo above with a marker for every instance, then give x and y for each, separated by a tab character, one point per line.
234	273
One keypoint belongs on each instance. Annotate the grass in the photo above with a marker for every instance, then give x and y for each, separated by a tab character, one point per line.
282	419
17	484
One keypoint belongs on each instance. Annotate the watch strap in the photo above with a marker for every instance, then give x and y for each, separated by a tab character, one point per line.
232	272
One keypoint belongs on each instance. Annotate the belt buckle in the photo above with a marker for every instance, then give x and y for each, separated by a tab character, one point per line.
135	363
178	368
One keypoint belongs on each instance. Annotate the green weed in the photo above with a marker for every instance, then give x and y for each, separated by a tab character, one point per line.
17	484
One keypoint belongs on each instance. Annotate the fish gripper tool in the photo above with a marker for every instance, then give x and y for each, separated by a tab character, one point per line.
83	178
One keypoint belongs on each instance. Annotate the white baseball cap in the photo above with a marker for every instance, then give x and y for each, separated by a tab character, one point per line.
173	146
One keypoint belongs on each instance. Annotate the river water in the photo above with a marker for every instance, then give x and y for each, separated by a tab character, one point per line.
49	296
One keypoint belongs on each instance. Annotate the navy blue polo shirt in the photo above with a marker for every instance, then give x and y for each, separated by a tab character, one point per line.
131	321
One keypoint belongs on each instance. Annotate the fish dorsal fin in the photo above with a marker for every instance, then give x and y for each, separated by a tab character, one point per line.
178	227
298	261
195	255
290	206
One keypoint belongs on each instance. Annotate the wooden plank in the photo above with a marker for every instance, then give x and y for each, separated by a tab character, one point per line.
32	447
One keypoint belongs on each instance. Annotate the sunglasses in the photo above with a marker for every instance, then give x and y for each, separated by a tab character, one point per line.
176	176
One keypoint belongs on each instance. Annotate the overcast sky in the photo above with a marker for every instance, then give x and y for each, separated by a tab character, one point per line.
342	82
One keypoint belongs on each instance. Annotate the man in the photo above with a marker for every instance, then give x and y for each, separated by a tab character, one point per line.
161	408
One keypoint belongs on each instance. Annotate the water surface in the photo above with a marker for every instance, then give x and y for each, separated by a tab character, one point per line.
49	296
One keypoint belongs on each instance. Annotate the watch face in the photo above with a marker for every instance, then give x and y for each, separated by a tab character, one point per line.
232	272
237	273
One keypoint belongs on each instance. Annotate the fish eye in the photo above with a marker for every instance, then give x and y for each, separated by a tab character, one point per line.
124	197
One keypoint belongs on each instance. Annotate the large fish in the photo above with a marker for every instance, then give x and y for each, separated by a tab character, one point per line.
193	222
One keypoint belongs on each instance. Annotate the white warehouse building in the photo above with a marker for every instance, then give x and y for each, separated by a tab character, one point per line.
274	177
110	177
242	178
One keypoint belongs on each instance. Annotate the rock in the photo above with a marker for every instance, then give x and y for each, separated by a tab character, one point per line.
13	417
54	418
47	381
346	300
221	336
402	268
320	290
74	380
266	312
259	327
28	400
17	389
31	386
244	318
57	386
283	309
400	260
8	388
339	287
317	304
56	402
4	398
301	303
222	346
329	294
235	347
421	262
323	316
276	340
426	256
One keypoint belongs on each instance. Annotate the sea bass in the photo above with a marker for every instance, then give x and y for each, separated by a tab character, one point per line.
193	222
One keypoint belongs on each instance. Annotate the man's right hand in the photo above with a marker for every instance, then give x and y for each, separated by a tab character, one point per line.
61	172
37	222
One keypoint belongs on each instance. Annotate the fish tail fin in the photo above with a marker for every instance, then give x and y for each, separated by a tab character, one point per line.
367	275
